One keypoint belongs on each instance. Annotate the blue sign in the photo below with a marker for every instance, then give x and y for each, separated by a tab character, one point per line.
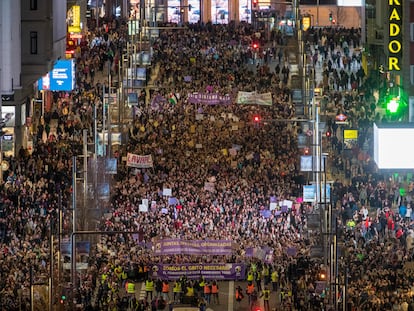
312	194
61	78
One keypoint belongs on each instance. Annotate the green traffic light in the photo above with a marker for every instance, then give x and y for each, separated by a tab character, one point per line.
393	105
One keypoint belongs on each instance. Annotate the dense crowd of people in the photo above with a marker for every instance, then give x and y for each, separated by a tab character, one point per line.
224	170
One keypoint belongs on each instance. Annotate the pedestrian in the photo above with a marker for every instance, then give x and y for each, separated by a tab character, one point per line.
215	292
266	297
239	294
149	288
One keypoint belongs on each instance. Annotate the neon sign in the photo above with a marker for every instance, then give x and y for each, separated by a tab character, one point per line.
395	36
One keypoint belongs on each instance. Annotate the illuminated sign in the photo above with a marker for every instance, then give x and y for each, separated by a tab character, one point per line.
61	78
395	35
306	23
75	36
350	134
74	18
76	15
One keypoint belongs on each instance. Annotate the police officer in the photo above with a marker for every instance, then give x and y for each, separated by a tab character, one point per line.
149	288
266	297
275	280
177	290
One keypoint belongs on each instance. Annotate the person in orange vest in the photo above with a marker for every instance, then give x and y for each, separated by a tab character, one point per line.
249	290
207	292
239	294
165	290
215	292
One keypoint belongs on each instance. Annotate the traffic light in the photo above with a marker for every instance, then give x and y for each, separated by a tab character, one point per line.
255	3
62	299
330	17
395	107
306	151
328	133
255	45
189	7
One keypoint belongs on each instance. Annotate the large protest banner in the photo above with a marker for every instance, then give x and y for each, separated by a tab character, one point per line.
254	98
139	161
209	98
196	247
213	271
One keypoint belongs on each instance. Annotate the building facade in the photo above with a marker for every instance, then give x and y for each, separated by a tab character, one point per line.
32	38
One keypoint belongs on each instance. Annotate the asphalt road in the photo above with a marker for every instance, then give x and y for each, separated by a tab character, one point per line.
227	301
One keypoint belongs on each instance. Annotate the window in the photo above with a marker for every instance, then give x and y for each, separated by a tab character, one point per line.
33	42
412	74
33	5
412	32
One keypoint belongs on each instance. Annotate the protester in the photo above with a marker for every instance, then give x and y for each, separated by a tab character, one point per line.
223	169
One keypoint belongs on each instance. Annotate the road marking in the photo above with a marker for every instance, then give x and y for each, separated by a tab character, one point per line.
142	292
230	299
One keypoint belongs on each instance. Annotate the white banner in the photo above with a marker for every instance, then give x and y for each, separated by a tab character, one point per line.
254	98
139	161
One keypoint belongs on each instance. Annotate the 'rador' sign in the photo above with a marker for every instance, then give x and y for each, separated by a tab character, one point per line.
395	35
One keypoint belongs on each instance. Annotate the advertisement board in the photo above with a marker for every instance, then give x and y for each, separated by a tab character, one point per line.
311	193
392	146
61	78
350	139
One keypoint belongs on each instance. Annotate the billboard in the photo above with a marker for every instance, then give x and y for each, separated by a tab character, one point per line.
61	78
392	146
312	193
350	138
349	2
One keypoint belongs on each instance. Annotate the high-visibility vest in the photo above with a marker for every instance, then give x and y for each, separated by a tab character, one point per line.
266	294
149	286
275	276
190	291
253	267
118	272
131	288
239	295
214	289
249	276
207	289
165	287
202	283
126	286
104	277
258	276
177	287
265	271
124	275
250	289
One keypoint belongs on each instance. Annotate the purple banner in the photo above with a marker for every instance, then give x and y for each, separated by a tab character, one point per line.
197	247
213	271
209	99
